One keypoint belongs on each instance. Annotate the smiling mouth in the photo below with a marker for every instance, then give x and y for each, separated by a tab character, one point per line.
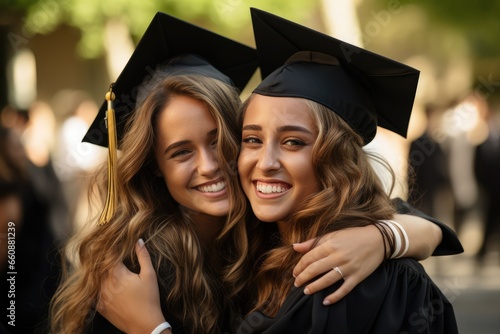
212	188
271	188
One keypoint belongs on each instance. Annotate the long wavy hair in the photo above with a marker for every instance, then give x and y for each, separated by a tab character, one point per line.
191	291
350	195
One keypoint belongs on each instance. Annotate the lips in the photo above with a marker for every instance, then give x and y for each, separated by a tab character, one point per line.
271	187
213	187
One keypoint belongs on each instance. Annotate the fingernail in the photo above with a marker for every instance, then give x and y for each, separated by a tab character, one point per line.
307	291
294	276
141	242
326	302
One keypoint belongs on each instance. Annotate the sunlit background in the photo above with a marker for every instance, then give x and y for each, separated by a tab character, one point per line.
58	57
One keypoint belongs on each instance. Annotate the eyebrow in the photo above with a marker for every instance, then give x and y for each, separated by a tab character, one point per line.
283	128
184	142
254	127
294	128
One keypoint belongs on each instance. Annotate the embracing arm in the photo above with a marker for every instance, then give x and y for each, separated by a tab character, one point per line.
357	252
131	302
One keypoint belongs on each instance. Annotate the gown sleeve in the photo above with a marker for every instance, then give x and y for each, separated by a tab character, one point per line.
449	245
398	297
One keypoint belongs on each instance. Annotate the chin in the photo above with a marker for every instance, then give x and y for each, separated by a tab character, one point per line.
219	212
268	216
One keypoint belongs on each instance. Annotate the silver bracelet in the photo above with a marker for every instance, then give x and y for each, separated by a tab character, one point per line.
161	327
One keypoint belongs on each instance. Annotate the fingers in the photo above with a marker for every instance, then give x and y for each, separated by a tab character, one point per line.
144	258
322	282
341	292
329	279
314	269
303	247
311	258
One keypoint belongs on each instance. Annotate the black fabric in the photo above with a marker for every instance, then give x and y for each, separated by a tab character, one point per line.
450	244
390	85
399	297
168	38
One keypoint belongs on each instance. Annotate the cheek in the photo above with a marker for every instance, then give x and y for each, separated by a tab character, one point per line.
243	164
307	177
173	178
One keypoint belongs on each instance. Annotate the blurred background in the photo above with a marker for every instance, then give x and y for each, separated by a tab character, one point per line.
58	57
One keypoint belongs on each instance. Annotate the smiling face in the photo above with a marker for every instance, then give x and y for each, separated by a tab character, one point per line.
275	163
185	151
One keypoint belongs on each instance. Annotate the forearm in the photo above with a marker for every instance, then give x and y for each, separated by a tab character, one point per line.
449	245
423	235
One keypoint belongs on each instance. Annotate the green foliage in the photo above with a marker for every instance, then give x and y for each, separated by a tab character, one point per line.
228	17
477	21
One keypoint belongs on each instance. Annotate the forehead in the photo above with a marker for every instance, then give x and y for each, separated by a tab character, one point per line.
184	117
268	110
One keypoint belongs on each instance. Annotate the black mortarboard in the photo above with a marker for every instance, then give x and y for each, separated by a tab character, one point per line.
167	38
362	87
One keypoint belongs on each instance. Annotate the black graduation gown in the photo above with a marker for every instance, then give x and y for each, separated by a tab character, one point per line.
399	297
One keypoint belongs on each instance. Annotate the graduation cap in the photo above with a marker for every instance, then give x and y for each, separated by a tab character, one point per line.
364	88
186	46
185	49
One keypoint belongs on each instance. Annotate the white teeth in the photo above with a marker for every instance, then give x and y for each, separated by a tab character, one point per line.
269	189
213	187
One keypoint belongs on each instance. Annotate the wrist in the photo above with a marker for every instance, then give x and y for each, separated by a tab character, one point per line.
163	327
399	241
146	325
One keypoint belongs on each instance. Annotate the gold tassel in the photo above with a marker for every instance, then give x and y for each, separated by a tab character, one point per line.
109	206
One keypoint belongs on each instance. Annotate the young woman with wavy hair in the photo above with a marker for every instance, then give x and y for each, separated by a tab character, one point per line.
303	133
324	163
187	265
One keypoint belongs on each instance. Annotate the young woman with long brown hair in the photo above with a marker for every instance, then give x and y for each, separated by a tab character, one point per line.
174	182
303	132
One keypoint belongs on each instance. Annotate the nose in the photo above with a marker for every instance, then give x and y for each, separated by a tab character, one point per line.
268	159
207	163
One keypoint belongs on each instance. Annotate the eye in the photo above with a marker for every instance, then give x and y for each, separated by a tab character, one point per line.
180	153
251	140
294	142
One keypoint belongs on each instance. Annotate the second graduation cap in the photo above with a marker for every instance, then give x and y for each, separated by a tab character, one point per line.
167	38
364	88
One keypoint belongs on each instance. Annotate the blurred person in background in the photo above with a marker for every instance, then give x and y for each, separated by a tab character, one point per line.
37	271
461	126
487	173
12	178
428	171
38	138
